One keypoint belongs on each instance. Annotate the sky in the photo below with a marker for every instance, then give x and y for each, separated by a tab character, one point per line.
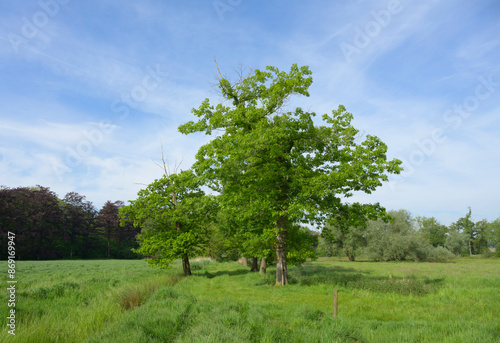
92	90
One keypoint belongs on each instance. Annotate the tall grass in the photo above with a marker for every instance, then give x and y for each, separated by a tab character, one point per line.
126	301
63	301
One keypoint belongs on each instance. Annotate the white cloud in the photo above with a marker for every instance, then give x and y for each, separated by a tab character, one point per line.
68	78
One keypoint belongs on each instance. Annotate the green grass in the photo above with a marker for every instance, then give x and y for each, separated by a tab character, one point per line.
127	301
61	301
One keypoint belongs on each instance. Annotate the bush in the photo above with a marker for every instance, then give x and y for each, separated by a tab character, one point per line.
487	254
398	241
440	253
457	243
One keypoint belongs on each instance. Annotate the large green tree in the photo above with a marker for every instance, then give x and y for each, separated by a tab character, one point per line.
466	226
482	231
291	169
433	231
494	235
178	215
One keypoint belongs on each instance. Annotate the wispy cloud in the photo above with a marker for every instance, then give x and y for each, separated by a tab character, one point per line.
80	111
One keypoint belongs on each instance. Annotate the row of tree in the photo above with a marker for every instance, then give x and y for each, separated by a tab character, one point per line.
178	220
270	171
273	169
47	227
406	238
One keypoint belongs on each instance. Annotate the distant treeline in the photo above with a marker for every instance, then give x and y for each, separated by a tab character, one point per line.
405	238
47	227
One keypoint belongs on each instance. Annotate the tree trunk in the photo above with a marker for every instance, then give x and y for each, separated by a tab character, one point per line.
255	264
244	261
349	254
185	265
281	270
263	266
108	247
119	246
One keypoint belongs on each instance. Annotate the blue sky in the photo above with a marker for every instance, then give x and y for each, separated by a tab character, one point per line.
91	89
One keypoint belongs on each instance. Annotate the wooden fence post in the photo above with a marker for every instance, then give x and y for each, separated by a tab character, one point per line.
335	302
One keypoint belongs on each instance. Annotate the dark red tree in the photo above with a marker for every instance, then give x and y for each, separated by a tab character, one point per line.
108	222
34	215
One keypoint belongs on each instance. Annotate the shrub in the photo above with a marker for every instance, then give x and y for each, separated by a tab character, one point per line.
457	243
399	241
487	254
439	254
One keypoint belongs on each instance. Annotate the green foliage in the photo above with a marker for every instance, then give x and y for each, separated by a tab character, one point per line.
494	234
326	248
174	215
477	237
480	244
345	230
398	240
487	254
47	227
278	165
394	240
439	254
457	243
434	232
36	217
466	226
301	245
240	235
223	248
343	243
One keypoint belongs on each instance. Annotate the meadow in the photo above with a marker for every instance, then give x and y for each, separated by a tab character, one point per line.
128	301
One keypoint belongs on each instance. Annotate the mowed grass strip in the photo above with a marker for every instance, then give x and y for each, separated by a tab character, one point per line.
127	301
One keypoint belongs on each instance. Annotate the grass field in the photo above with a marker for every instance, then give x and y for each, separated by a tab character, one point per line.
127	301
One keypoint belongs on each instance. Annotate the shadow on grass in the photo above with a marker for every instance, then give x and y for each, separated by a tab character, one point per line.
211	275
338	276
350	278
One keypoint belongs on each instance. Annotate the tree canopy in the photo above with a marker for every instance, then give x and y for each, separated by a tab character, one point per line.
177	213
279	162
